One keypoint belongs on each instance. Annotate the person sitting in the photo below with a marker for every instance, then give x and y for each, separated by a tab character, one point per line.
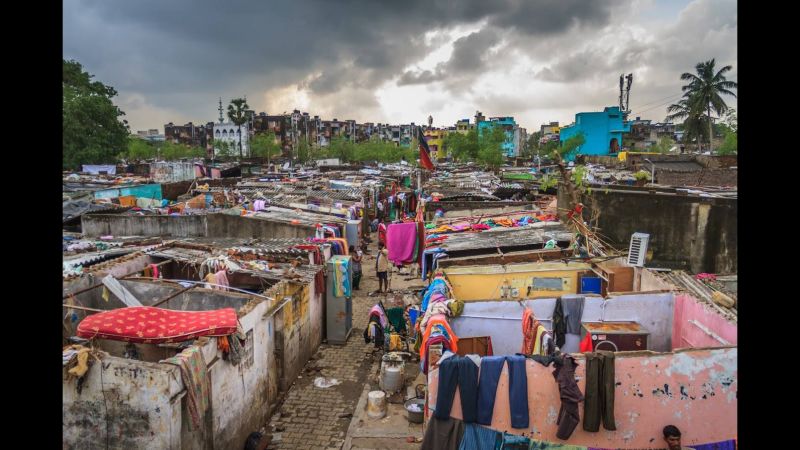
672	436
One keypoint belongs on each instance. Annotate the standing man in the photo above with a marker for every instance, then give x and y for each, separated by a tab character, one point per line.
356	257
672	436
382	267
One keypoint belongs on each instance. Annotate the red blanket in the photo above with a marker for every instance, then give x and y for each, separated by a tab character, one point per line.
148	325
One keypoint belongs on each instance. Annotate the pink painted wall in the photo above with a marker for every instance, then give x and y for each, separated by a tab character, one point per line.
695	390
686	334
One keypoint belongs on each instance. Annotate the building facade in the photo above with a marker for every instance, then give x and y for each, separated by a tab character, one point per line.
232	133
602	131
189	134
435	139
511	146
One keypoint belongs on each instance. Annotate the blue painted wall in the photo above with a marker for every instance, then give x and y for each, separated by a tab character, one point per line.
598	128
508	146
140	191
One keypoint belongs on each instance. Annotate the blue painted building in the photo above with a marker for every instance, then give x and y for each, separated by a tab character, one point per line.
602	131
510	147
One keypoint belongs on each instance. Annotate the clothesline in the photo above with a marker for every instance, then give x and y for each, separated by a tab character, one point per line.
207	283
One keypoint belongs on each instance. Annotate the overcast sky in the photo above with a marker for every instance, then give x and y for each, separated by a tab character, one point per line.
396	61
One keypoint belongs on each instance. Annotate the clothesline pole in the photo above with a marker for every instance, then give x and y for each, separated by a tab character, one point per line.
83	308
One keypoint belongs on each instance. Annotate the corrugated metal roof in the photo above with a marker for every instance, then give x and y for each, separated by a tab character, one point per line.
699	290
505	238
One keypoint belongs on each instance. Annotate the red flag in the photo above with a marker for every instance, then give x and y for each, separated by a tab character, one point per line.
424	151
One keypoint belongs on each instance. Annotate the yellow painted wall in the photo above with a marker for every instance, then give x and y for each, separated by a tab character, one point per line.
436	137
477	283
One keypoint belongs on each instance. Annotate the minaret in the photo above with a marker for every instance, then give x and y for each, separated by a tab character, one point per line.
221	119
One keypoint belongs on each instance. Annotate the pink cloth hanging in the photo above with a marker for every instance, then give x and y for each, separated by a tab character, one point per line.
401	238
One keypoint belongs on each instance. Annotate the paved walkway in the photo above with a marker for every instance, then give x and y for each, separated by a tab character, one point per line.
316	418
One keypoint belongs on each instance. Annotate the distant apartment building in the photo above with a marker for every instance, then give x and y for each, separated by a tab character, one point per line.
151	135
644	134
549	132
463	126
190	134
512	145
435	139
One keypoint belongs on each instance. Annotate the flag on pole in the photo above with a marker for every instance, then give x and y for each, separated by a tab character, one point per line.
424	151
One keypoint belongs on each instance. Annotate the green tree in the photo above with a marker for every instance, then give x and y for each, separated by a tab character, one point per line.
223	149
730	143
490	150
263	145
170	151
340	147
463	147
705	89
139	149
92	131
695	123
663	146
303	151
237	113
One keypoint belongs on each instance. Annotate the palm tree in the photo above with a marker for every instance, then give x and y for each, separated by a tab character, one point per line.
705	88
694	120
237	113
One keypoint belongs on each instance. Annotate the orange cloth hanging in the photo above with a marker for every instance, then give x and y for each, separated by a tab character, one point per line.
438	319
528	331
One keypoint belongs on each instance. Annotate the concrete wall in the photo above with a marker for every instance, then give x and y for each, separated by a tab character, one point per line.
697	234
207	225
502	320
695	390
123	404
148	409
705	177
171	171
298	328
697	324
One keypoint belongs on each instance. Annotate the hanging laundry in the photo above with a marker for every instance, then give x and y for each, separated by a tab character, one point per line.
599	404
528	331
491	367
477	437
194	373
401	241
443	434
457	371
568	416
222	280
586	343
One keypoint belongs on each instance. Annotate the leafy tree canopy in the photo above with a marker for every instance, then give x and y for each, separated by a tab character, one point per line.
93	132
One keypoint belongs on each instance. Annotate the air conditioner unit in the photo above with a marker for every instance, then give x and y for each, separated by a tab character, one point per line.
638	249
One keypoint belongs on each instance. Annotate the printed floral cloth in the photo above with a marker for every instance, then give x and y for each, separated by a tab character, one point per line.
148	325
194	374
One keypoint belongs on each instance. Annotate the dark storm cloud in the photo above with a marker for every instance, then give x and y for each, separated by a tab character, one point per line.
157	47
178	56
470	57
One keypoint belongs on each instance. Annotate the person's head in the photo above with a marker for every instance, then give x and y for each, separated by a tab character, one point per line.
672	435
381	245
352	249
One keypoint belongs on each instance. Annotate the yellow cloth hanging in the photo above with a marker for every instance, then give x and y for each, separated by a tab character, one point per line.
537	344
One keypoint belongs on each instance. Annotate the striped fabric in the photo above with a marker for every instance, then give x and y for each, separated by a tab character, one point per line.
477	437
